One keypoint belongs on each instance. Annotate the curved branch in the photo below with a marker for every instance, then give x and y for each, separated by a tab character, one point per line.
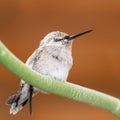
50	85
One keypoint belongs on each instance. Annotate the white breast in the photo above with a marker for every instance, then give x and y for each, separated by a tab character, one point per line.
53	68
48	65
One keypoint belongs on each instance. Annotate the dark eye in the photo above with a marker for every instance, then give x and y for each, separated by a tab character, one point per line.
58	39
67	37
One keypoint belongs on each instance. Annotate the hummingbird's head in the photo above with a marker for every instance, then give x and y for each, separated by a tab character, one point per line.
60	38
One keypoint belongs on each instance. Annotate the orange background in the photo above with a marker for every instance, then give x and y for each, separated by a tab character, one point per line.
23	23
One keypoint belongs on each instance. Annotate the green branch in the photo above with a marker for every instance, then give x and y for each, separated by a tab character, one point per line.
50	85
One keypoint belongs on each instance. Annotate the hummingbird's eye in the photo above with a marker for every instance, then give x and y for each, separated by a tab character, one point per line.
67	37
58	39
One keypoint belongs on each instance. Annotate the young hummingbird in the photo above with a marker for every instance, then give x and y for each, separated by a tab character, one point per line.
52	58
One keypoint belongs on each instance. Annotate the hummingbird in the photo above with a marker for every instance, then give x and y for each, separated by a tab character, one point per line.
52	58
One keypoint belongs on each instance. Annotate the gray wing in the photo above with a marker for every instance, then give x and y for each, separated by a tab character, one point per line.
25	91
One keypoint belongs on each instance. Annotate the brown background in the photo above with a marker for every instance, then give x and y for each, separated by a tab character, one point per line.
23	23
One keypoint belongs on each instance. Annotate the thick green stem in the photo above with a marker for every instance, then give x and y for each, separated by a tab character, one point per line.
65	89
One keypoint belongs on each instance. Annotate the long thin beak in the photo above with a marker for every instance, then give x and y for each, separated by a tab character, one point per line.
78	34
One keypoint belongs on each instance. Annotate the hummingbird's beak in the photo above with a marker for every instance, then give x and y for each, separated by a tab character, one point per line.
78	34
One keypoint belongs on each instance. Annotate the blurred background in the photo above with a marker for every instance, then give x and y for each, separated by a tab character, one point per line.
23	23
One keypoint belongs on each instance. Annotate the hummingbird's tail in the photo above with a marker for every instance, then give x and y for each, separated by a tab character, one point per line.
18	101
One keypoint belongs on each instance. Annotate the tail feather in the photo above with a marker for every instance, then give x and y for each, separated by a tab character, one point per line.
15	105
11	100
15	109
18	101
